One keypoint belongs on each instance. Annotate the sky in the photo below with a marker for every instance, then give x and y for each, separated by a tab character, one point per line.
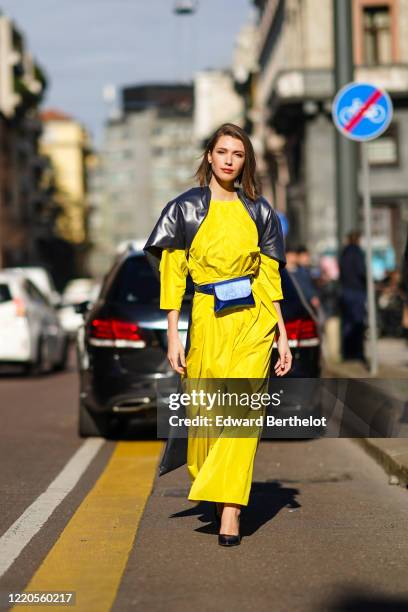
85	45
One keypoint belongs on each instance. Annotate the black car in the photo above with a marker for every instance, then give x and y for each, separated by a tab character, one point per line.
122	346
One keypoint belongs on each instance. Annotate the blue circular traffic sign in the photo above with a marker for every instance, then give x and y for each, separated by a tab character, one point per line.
362	111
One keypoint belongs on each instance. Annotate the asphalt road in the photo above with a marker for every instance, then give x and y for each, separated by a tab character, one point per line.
323	530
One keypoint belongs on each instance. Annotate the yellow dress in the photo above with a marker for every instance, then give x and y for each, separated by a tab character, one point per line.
237	344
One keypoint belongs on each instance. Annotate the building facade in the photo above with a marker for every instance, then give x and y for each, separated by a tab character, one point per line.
148	156
216	102
66	144
292	105
27	211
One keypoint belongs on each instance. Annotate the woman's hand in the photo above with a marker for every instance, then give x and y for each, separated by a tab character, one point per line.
175	353
284	363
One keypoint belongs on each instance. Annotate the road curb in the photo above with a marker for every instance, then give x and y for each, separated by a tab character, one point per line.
388	462
390	453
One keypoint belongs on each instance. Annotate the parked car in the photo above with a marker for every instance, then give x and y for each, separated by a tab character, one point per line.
122	344
30	332
77	291
42	280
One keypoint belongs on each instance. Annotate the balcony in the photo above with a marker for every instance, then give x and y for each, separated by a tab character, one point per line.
318	84
393	78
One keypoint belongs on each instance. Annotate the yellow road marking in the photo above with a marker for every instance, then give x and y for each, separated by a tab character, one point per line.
91	554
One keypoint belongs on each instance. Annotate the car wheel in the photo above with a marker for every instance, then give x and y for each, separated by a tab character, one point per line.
62	363
91	424
41	364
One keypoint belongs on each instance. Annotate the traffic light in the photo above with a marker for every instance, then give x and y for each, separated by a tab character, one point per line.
10	60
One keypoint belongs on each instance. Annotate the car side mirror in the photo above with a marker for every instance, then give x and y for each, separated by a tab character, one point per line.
82	307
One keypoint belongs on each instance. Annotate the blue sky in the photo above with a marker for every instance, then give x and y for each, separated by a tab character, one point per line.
83	45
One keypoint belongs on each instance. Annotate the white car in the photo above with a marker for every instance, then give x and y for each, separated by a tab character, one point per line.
41	279
30	332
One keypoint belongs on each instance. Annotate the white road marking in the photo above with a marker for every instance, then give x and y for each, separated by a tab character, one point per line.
30	522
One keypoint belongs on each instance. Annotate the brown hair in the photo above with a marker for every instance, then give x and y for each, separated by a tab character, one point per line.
247	178
354	236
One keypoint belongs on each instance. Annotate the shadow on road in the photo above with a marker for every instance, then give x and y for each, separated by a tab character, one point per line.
266	500
364	600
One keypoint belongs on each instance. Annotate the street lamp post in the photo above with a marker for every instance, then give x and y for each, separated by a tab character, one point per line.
346	150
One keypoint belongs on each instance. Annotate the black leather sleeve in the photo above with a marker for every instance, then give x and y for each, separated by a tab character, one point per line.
169	232
272	241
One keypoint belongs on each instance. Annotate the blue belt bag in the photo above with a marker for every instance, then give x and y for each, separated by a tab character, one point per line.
231	293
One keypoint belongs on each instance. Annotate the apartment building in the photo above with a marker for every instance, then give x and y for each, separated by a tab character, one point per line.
292	106
25	222
148	156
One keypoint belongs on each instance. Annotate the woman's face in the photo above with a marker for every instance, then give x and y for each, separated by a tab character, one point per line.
227	158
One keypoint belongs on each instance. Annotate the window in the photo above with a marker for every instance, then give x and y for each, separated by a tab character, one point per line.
119	178
135	283
377	46
119	154
383	151
34	293
5	295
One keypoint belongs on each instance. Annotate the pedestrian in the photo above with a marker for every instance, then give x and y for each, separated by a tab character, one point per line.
390	303
329	293
302	275
404	289
328	286
223	230
353	294
305	270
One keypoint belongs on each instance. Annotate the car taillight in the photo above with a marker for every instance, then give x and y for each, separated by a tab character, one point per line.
114	329
301	329
20	307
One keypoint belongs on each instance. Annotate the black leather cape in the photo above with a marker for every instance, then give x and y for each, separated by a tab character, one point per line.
180	219
178	224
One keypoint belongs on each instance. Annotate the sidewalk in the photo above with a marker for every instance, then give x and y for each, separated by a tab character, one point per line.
391	453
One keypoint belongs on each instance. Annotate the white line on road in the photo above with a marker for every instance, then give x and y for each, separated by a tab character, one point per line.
30	522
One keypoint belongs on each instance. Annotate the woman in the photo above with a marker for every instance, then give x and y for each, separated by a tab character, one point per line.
215	233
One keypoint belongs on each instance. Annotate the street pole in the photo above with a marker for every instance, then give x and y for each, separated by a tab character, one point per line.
372	324
346	150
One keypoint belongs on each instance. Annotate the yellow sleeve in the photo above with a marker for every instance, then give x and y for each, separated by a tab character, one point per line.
173	274
270	277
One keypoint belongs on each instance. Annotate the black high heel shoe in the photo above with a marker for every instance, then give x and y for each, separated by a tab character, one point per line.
230	540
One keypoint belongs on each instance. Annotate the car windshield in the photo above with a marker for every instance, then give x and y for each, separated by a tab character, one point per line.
135	283
5	295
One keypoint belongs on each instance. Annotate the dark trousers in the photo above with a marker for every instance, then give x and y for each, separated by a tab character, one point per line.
353	323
